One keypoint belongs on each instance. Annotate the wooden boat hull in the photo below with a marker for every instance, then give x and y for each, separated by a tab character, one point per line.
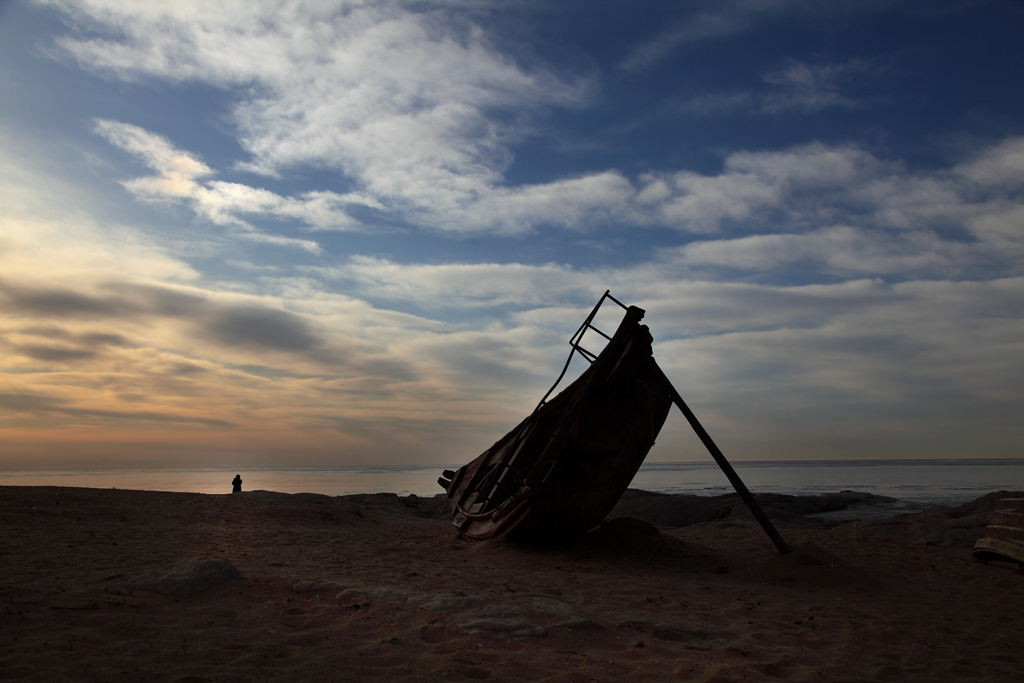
560	472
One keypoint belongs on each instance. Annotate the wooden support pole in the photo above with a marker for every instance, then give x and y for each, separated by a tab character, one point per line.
734	478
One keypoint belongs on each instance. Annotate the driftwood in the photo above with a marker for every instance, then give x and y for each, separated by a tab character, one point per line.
1004	536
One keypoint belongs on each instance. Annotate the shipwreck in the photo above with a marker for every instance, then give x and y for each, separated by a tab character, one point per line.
559	472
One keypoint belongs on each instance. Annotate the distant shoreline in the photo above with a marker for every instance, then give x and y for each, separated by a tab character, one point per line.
915	482
656	507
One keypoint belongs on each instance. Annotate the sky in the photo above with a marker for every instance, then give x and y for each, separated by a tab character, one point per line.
313	233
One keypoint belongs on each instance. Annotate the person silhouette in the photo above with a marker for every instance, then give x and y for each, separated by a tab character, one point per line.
236	484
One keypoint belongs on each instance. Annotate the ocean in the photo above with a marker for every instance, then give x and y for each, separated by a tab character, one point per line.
919	483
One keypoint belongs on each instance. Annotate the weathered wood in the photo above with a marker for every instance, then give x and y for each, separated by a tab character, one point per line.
1004	537
726	468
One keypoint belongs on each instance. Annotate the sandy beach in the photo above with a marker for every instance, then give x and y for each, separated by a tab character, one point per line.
374	587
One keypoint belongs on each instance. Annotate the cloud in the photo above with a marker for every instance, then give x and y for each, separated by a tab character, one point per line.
794	88
36	404
860	369
834	211
261	327
759	360
419	113
61	302
56	344
46	211
230	321
179	177
110	344
456	285
53	353
178	170
800	186
718	103
827	211
862	213
837	250
810	88
416	108
1000	166
723	19
571	202
327	377
578	203
720	20
806	187
237	365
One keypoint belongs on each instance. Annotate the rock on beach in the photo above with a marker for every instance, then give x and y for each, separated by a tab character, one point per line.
188	578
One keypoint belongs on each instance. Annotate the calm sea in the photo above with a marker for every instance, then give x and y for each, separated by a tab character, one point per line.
929	482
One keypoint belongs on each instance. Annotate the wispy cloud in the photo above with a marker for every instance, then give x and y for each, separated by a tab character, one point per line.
464	285
570	202
794	88
420	116
838	251
846	196
810	88
36	404
710	21
183	178
399	102
809	187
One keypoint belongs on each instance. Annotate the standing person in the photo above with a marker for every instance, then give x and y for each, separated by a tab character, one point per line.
236	484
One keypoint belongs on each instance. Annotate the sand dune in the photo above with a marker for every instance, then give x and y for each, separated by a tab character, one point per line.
340	590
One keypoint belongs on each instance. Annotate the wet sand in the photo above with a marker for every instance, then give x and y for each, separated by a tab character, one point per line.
338	591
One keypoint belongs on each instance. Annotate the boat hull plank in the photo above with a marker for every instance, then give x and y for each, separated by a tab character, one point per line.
1004	537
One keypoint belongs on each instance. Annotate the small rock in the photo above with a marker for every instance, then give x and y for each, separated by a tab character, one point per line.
663	631
432	633
710	633
499	612
553	607
188	578
579	624
452	603
639	623
512	628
